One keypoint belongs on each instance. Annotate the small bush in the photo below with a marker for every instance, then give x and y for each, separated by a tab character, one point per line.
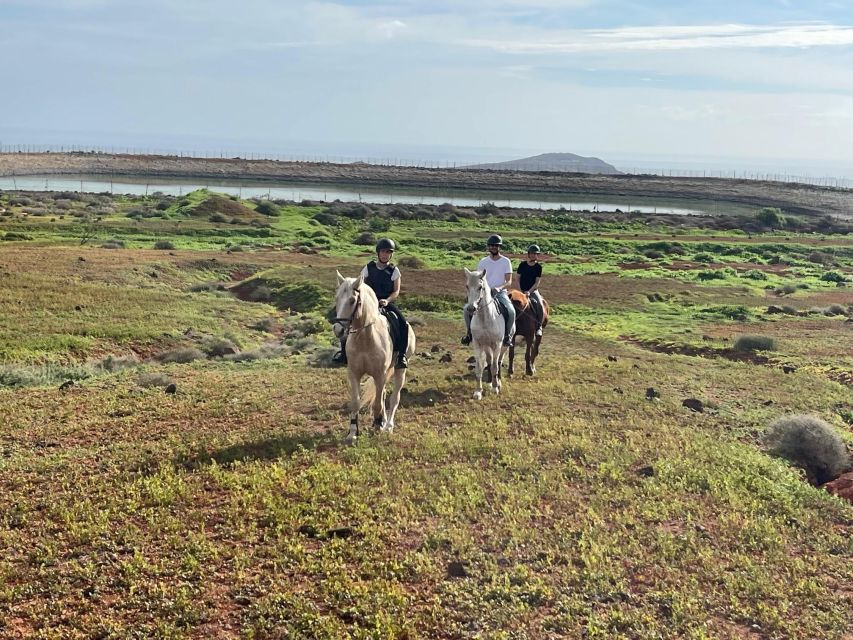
704	257
712	274
218	347
820	257
366	238
266	324
786	289
322	358
810	443
114	364
14	235
771	217
754	343
267	208
164	245
181	356
411	262
754	274
147	380
113	244
836	310
833	276
652	254
217	217
326	219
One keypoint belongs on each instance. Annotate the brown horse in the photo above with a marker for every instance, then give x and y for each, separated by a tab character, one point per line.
525	326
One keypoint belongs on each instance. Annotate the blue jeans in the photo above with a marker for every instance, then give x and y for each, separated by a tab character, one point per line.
502	298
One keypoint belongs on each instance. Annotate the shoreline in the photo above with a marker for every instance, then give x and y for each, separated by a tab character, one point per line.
791	197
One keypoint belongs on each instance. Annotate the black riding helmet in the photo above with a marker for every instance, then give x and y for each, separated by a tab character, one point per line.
385	243
534	248
495	239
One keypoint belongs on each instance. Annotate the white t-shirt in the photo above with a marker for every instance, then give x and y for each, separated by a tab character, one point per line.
395	275
496	270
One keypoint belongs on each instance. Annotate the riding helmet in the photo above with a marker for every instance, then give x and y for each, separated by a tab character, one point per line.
495	239
534	248
385	243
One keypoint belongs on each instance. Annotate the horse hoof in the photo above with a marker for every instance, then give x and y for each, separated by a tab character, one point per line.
478	395
350	440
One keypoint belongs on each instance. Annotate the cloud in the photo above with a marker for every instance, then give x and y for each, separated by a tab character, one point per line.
730	36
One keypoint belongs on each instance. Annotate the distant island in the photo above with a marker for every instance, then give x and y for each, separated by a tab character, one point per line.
567	162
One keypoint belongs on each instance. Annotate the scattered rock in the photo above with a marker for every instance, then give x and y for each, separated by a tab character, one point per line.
81	259
693	404
646	472
78	307
308	530
707	338
435	348
457	570
471	360
340	532
842	486
171	389
618	390
425	355
636	366
66	385
612	358
153	274
767	403
788	368
652	394
774	309
447	357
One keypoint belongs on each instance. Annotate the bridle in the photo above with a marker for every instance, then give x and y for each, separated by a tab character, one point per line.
478	306
347	322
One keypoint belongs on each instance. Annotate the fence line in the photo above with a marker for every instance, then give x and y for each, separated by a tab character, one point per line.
822	181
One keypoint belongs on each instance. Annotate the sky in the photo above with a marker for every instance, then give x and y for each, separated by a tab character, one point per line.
629	81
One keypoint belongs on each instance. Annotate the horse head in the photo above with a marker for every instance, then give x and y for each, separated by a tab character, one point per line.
354	302
477	288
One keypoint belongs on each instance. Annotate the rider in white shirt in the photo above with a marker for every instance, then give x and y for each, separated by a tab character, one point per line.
498	276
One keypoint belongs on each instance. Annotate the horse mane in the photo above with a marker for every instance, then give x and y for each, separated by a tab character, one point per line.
368	310
518	298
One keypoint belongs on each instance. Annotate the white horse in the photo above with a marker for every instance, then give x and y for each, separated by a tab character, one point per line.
487	330
370	352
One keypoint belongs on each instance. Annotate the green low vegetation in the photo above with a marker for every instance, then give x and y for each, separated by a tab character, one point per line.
172	460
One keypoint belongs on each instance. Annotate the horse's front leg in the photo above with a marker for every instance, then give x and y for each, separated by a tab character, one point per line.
496	364
394	398
479	365
379	402
528	357
354	406
510	370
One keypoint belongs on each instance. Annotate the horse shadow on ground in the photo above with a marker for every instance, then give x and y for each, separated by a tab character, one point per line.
265	449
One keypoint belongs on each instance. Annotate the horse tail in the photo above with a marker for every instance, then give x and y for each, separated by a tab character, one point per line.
368	393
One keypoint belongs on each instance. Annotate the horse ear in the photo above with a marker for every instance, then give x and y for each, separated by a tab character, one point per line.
467	273
483	273
358	282
340	277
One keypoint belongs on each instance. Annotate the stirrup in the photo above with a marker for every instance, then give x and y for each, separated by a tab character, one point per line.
466	340
508	341
402	362
340	357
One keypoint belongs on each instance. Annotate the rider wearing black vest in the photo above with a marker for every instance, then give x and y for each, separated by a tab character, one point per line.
384	278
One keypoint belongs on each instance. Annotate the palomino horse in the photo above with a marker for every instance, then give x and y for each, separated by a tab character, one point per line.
370	352
525	326
487	330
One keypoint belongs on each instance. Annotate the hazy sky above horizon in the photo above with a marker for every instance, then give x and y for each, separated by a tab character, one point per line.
769	78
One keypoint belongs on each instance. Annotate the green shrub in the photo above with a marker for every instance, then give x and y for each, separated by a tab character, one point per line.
754	343
704	257
771	217
267	208
366	238
164	245
754	274
326	219
217	217
438	303
810	443
833	276
300	296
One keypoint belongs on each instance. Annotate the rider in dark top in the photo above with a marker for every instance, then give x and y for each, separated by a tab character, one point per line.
529	274
384	278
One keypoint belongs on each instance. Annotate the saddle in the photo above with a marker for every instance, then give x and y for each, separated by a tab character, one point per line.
396	326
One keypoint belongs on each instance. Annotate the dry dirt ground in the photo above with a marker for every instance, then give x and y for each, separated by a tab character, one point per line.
794	198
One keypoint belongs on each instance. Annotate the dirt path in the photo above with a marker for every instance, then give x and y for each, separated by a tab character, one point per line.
794	198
